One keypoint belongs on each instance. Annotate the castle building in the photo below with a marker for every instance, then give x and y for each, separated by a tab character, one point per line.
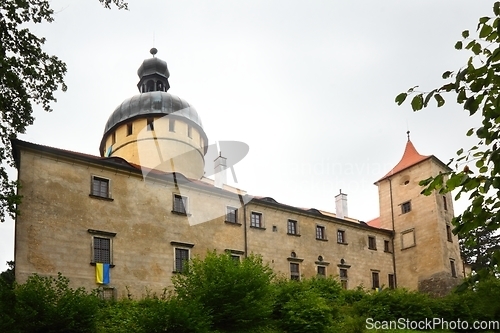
126	221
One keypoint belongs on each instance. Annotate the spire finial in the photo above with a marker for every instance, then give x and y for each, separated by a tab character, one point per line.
408	134
153	51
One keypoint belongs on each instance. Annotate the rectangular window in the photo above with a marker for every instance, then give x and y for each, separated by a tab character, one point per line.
256	220
390	280
375	280
113	138
180	204
101	250
181	256
231	214
321	271
341	236
100	187
190	131
387	246
150	124
292	227
107	293
129	129
320	232
235	257
405	207
372	243
448	233
445	204
453	268
343	273
171	125
294	271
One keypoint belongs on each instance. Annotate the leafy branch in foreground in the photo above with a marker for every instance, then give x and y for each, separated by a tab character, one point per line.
28	76
476	87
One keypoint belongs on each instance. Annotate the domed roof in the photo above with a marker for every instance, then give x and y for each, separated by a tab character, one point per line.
155	103
153	66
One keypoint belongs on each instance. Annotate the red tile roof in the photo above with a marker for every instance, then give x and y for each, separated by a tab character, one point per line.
374	223
410	158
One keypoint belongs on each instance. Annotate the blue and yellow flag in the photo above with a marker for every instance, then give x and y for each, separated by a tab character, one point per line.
102	273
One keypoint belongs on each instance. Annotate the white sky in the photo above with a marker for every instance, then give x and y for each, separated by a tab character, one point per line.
308	85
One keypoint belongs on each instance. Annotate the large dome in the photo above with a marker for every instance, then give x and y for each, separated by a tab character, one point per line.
153	103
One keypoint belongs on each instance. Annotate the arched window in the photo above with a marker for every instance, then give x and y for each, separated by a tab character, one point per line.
150	85
159	86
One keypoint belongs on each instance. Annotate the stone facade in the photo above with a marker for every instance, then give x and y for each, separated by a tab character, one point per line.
143	207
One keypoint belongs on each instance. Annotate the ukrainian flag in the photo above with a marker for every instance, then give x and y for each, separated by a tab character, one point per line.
102	273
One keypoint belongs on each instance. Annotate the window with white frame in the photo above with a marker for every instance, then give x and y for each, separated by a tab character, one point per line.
256	220
320	232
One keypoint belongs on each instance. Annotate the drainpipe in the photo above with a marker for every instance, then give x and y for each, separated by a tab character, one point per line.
244	224
393	236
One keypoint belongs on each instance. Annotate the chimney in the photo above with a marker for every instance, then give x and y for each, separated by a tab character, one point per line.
220	167
341	205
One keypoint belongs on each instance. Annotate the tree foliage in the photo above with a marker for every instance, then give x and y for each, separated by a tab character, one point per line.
237	295
478	246
476	173
28	76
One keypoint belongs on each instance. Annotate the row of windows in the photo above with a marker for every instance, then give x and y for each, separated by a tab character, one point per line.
100	188
150	126
321	271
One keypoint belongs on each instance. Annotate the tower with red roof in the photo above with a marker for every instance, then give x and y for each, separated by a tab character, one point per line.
426	254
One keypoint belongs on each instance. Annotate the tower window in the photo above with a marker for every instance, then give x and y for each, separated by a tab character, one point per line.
190	131
453	269
445	204
129	129
405	207
113	138
448	233
171	125
150	124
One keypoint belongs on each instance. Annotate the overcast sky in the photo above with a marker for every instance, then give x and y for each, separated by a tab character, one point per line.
308	85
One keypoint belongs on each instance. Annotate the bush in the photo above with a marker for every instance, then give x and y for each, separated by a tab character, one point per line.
302	306
47	304
237	295
172	315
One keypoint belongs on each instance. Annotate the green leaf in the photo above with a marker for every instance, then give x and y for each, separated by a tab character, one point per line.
417	102
401	98
496	8
439	100
484	19
446	74
470	132
485	31
458	45
465	33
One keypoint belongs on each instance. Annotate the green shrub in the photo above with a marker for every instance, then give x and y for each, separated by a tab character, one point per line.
237	295
47	304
